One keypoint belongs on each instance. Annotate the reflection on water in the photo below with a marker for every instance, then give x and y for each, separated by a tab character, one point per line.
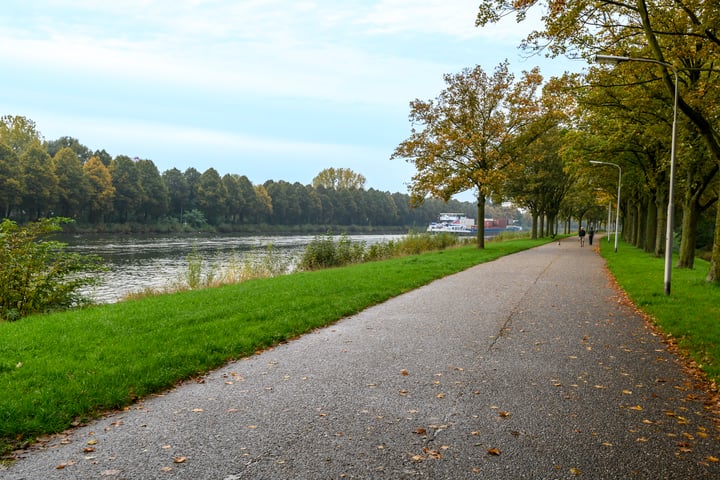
139	263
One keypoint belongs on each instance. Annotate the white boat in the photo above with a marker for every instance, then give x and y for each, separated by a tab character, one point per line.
457	223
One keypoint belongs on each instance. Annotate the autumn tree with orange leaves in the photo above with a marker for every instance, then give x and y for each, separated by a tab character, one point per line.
683	33
463	139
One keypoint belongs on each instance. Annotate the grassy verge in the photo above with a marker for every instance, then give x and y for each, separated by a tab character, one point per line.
690	314
71	366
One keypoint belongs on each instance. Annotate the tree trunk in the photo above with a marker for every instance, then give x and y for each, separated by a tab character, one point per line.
713	275
651	227
481	220
534	228
688	237
661	213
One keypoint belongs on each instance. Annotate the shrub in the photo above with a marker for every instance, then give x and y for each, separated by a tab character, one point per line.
324	252
38	275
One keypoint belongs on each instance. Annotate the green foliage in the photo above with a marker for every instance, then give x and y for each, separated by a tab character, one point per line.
38	275
325	252
195	218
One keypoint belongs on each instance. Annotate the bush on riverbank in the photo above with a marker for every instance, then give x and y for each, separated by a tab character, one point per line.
38	275
326	252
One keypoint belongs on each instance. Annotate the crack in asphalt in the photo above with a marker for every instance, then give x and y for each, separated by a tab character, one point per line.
516	308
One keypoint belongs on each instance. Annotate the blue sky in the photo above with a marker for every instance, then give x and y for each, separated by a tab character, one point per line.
271	89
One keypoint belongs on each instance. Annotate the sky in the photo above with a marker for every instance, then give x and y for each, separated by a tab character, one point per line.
270	89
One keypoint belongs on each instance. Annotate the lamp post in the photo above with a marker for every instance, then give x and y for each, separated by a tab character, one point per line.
612	59
617	213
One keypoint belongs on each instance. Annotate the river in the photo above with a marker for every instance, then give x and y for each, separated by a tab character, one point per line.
136	264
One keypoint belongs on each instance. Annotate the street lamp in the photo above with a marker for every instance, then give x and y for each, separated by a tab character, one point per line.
617	213
612	59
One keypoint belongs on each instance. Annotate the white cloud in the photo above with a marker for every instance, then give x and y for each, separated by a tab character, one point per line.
263	47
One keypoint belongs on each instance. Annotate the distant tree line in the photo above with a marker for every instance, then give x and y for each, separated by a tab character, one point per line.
40	179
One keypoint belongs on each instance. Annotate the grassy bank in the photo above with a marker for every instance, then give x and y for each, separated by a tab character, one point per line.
690	314
68	367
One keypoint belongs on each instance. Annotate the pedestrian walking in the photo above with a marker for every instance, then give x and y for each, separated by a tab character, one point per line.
581	234
591	233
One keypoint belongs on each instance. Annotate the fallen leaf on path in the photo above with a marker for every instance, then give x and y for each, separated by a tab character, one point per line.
685	447
504	414
575	471
166	469
712	459
179	459
421	431
432	454
404	372
494	451
636	407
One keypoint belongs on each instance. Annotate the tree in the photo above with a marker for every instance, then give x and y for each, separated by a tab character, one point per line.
263	201
38	275
235	200
73	185
101	191
286	207
155	197
192	178
211	196
683	34
40	184
339	179
18	133
10	183
128	192
54	146
250	208
540	181
465	135
178	191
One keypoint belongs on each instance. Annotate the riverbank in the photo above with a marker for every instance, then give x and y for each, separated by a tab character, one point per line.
531	366
63	369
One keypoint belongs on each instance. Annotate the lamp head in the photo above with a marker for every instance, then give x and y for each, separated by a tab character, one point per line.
610	59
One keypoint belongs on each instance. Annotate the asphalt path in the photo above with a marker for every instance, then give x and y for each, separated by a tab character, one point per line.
531	366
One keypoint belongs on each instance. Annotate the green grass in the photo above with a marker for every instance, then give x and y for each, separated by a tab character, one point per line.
67	367
690	314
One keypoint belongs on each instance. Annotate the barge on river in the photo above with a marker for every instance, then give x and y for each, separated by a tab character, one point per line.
461	224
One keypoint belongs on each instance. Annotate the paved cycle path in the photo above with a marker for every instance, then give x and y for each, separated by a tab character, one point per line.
531	366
